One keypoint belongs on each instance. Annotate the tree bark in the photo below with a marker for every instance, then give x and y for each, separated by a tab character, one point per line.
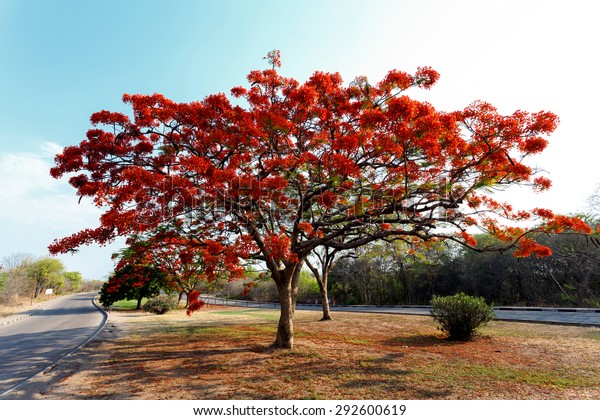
325	300
285	327
287	286
321	277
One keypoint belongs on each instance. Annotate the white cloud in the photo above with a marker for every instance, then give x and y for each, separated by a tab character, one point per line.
22	173
31	196
51	149
35	209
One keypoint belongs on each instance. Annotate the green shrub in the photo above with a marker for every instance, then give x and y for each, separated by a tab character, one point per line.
460	315
160	304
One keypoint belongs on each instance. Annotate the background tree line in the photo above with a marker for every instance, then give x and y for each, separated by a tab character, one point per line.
25	277
393	273
387	274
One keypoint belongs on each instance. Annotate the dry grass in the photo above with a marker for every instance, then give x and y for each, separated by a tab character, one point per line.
23	304
220	353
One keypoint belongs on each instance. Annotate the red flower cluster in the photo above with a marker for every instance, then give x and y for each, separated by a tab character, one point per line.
194	303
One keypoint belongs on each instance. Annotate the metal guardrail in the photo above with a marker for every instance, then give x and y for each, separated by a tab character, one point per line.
211	300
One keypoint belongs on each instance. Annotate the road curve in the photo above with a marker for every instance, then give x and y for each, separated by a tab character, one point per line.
35	343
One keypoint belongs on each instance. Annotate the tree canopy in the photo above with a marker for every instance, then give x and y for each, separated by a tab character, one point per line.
295	166
132	282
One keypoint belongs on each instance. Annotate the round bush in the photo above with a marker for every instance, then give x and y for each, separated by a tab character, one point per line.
460	315
160	304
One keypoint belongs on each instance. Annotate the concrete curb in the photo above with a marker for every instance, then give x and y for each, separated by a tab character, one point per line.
14	318
57	362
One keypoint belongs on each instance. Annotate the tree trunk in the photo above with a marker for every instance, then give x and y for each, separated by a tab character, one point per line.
325	304
287	286
322	282
321	276
139	303
37	290
285	327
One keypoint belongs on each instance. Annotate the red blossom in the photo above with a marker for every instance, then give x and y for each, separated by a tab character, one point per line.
469	240
541	184
527	246
306	228
194	303
277	246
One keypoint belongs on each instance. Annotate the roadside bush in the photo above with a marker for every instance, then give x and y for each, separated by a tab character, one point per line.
160	304
460	315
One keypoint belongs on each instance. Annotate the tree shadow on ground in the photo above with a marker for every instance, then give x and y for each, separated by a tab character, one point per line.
366	377
421	340
229	361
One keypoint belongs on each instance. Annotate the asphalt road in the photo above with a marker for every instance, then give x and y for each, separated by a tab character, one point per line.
36	342
563	316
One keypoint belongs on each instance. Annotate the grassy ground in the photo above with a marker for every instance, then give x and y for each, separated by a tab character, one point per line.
221	353
127	304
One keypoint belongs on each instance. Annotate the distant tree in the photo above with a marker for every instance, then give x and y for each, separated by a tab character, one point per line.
45	273
370	277
388	273
326	258
568	277
308	287
17	271
17	260
73	281
132	283
92	285
263	289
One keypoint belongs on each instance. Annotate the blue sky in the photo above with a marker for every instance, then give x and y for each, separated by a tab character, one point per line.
60	61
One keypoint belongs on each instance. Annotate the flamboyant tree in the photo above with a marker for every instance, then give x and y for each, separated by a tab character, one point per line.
298	166
186	262
132	282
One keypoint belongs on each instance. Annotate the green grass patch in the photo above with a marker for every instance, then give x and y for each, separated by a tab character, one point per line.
127	304
592	335
358	341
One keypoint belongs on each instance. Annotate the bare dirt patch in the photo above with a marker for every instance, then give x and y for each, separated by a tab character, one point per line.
221	353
